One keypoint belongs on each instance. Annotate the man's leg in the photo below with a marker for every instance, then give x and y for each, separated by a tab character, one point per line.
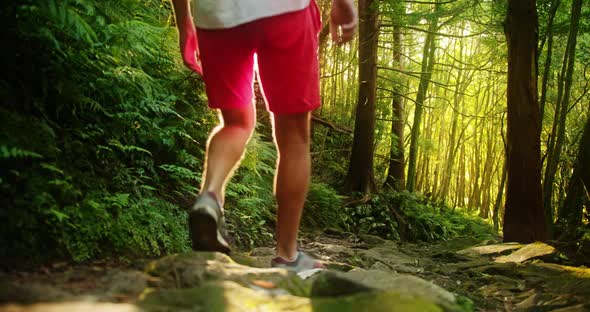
292	178
225	148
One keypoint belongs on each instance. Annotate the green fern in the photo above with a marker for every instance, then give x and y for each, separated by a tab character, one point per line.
7	152
128	148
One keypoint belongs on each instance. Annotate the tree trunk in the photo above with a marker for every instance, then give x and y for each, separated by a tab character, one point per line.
488	172
395	175
578	189
558	130
524	219
360	176
461	84
461	182
426	73
474	198
498	203
547	67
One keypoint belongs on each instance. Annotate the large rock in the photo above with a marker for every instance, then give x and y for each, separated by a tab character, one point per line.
576	308
71	307
558	278
530	251
330	284
389	254
226	296
489	249
372	240
11	291
551	279
461	266
121	285
456	244
250	260
189	270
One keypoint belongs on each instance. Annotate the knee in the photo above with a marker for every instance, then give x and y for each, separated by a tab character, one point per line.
292	133
242	120
292	142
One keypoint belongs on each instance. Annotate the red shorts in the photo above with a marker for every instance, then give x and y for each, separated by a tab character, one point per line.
287	50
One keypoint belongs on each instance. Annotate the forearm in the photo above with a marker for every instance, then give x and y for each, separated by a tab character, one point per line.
182	13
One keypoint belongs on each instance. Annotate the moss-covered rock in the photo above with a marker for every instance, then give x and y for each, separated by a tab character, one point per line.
189	270
558	278
530	251
332	284
226	296
74	306
489	249
456	244
389	254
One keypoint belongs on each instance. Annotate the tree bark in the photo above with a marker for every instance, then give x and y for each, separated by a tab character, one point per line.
524	219
360	177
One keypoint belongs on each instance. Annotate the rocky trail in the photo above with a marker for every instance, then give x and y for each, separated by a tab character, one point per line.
366	273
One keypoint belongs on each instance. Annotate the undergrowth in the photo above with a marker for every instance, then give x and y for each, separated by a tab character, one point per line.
412	217
101	132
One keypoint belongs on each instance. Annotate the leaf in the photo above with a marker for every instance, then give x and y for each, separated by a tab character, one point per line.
58	214
52	168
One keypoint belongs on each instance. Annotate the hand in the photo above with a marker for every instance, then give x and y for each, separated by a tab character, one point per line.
343	20
189	48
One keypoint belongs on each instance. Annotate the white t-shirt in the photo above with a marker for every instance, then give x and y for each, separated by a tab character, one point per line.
214	14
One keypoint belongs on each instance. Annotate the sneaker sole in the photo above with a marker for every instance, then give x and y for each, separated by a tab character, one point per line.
204	233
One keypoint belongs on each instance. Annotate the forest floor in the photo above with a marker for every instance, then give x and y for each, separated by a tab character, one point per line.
366	273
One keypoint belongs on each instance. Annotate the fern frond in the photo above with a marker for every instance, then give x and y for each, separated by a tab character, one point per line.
7	152
128	148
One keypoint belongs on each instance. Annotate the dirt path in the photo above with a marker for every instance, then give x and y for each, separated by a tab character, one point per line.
366	273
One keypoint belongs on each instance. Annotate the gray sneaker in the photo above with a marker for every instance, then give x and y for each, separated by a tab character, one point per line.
303	262
207	225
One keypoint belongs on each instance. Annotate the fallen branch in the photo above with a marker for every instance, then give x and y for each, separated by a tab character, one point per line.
330	125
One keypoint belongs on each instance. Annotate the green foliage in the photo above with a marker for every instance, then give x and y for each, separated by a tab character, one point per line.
323	207
100	131
412	217
16	153
133	226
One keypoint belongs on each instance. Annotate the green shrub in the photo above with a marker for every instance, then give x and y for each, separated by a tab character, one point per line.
413	217
323	207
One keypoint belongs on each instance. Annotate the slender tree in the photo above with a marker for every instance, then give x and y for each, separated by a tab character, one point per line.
395	175
500	194
360	177
452	146
548	56
524	219
557	137
426	74
578	189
